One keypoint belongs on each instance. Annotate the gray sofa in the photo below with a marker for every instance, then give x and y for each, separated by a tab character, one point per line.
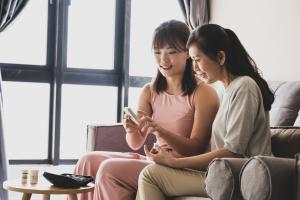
285	123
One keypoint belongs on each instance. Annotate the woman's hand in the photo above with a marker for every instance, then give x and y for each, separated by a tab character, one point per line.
129	125
160	156
147	125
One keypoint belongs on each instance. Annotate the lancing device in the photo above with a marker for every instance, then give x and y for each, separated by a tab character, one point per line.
133	116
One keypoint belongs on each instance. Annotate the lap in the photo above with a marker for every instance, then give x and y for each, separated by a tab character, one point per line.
176	182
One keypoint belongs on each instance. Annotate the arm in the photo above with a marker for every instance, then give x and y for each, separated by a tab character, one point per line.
199	162
206	105
134	136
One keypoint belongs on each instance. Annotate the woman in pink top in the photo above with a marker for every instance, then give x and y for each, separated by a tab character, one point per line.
174	107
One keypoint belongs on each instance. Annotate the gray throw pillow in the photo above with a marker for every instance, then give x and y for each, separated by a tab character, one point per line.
222	178
265	178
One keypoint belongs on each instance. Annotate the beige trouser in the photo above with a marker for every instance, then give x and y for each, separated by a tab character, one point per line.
159	182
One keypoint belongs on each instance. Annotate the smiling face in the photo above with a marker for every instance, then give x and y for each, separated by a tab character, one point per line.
205	68
171	61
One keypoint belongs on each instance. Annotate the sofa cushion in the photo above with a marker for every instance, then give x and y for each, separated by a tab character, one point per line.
285	141
287	103
265	178
222	178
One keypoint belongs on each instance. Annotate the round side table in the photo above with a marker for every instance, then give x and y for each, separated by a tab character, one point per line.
45	188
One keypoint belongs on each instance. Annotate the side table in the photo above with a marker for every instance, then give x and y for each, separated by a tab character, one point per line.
45	188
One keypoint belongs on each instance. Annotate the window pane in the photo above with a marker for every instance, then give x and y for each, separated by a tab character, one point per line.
25	39
133	97
83	105
26	115
141	56
91	34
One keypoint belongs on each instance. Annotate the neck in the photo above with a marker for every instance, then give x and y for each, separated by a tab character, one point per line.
227	78
174	85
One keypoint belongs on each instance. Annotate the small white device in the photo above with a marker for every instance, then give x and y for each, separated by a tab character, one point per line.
133	116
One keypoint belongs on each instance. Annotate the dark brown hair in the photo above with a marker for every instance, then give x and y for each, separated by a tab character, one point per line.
212	39
175	34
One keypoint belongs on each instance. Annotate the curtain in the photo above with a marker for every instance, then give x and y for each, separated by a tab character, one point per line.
3	160
196	12
9	10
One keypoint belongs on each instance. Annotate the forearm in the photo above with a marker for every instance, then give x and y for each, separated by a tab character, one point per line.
200	162
135	140
184	146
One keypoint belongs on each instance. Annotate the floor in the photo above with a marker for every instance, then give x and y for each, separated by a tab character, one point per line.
14	172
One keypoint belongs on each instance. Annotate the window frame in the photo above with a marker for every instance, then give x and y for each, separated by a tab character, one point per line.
56	72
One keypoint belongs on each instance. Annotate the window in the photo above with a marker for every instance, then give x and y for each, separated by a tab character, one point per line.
83	105
41	103
91	34
26	116
25	40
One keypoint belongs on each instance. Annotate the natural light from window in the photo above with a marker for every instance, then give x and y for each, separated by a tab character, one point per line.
26	119
84	105
141	55
91	34
24	41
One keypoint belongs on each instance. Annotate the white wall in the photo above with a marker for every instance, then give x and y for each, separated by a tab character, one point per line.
269	30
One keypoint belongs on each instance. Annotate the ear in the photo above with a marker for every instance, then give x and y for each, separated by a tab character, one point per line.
221	57
187	55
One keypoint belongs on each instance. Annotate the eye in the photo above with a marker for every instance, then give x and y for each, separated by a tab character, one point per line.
157	52
172	52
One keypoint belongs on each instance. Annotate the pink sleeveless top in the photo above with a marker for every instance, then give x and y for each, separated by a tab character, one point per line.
174	113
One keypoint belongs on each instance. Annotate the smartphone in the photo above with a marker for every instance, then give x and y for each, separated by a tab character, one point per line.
133	116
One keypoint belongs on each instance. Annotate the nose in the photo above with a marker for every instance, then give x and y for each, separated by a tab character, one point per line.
164	59
196	68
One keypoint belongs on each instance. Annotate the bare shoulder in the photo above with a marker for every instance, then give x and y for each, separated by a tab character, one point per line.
205	93
146	92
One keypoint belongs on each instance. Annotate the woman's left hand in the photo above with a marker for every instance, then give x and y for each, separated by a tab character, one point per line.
161	156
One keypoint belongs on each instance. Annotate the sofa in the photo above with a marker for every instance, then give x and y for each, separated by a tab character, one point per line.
285	130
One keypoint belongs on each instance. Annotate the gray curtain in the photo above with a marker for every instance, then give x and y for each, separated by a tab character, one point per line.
3	160
196	12
9	10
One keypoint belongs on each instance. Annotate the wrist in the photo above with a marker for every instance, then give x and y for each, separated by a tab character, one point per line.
175	162
161	133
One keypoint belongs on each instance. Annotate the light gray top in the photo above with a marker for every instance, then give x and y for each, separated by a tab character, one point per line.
242	124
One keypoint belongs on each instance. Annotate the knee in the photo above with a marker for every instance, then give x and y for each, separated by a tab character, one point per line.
150	173
107	170
89	163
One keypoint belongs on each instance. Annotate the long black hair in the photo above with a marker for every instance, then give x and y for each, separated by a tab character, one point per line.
212	39
174	33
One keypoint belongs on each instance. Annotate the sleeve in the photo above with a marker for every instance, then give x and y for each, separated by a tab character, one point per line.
242	112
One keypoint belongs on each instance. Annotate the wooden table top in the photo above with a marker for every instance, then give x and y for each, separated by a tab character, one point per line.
43	187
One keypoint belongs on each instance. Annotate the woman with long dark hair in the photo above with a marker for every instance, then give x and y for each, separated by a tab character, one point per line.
241	127
174	107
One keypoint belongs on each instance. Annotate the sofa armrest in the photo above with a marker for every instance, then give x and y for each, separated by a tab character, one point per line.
265	177
222	178
111	138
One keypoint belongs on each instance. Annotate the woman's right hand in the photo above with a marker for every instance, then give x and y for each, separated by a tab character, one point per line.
129	125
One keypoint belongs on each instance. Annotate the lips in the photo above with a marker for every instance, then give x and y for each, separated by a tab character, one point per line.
166	67
202	75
